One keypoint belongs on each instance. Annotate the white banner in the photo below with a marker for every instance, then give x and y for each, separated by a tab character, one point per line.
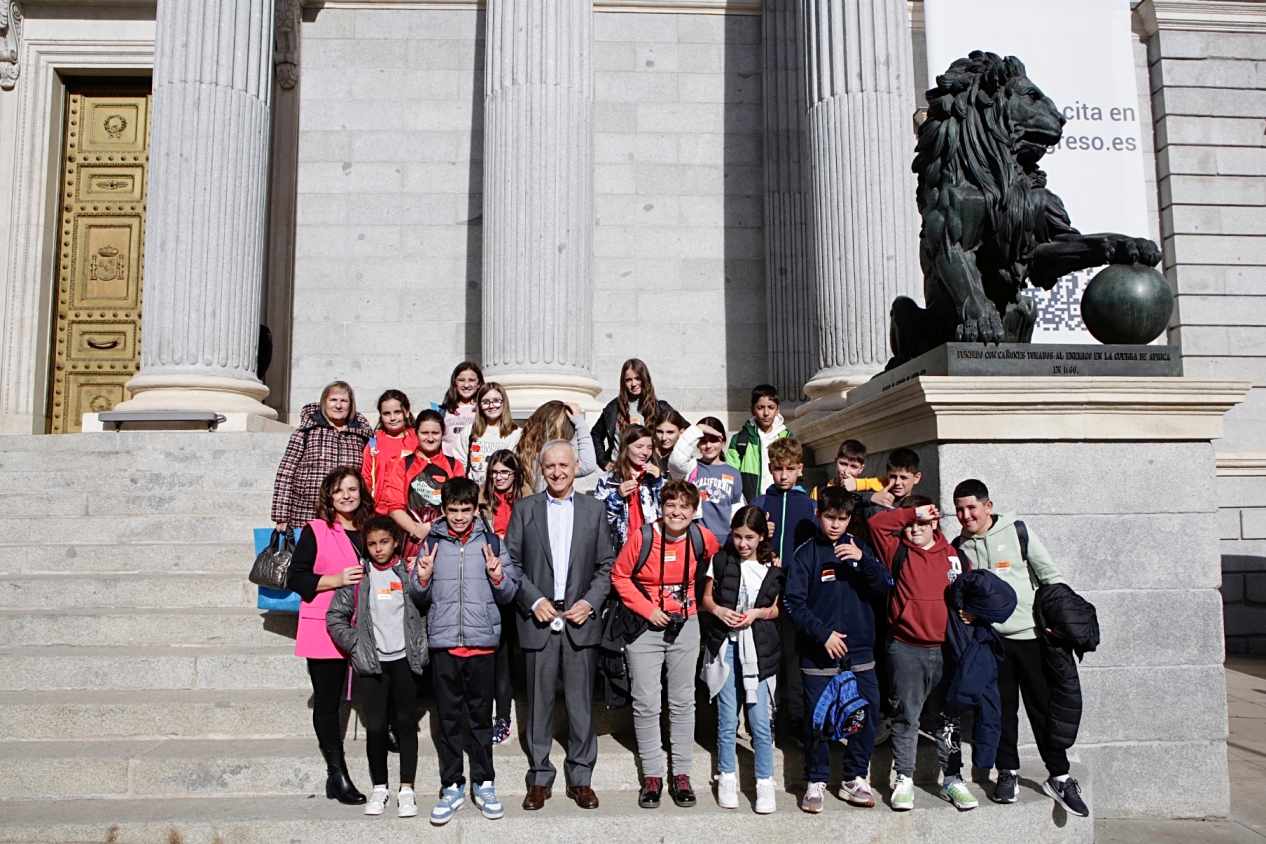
1080	53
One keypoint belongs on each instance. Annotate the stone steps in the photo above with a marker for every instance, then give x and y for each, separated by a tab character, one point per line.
116	590
176	556
152	667
145	627
269	819
253	502
96	530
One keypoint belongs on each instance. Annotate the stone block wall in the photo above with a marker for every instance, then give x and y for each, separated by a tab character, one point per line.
1208	103
389	238
1148	561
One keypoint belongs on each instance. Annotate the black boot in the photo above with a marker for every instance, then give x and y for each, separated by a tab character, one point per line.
338	785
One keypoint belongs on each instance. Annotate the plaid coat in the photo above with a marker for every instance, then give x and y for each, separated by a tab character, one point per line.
315	449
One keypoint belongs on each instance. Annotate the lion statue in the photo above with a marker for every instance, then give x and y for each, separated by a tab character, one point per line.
990	226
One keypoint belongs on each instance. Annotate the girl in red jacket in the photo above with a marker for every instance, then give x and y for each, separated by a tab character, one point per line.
393	438
411	489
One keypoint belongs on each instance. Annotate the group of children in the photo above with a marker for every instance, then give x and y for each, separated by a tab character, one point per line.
851	576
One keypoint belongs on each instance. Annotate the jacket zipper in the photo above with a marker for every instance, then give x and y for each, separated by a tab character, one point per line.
461	594
782	527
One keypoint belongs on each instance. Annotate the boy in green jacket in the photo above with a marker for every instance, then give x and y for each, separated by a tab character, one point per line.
1005	546
749	448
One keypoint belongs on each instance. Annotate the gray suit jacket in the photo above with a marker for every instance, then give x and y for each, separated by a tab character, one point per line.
588	578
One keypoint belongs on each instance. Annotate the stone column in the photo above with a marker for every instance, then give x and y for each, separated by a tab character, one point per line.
863	217
789	293
538	201
204	241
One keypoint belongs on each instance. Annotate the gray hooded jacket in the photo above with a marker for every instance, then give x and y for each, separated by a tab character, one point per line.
352	627
459	600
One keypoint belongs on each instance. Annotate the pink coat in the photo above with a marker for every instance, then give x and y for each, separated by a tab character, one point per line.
334	553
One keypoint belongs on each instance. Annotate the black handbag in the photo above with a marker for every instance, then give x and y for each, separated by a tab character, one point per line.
272	566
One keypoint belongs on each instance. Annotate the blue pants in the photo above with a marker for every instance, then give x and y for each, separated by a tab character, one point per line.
757	719
817	751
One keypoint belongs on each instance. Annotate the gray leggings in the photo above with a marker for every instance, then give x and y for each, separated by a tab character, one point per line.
648	658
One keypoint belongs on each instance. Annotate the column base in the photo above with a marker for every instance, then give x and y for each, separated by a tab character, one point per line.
235	398
828	390
530	390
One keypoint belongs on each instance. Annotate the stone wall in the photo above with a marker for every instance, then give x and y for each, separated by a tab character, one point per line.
388	251
1208	98
1148	561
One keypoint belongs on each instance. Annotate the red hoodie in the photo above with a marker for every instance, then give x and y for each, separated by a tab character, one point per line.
917	611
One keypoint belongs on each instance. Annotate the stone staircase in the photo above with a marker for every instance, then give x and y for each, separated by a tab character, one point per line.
144	698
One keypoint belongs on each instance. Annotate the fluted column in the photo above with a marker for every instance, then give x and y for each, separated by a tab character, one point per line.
204	241
538	201
858	68
789	293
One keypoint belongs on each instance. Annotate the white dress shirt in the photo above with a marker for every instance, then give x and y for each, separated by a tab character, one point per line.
560	514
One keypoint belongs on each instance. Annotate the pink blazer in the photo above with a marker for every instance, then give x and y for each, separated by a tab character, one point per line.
334	553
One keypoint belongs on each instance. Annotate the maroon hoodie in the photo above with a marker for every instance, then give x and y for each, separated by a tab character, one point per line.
917	611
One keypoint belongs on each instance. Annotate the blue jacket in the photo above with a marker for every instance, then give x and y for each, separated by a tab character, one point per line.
975	652
794	516
459	600
824	594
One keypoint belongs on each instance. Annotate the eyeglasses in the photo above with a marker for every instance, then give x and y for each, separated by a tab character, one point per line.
491	403
502	473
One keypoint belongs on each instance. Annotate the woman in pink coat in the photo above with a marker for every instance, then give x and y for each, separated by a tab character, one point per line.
327	557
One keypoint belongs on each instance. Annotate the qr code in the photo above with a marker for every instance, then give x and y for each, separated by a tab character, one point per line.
1060	309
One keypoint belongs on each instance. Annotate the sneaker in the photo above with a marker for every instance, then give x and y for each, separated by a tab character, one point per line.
485	795
1067	793
727	790
1007	788
652	789
406	804
679	789
451	799
857	792
903	794
764	796
811	802
378	800
500	730
956	792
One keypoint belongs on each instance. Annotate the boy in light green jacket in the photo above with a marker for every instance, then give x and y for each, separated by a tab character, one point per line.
1005	546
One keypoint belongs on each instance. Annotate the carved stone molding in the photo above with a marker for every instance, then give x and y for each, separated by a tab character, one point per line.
10	43
1201	16
286	42
706	7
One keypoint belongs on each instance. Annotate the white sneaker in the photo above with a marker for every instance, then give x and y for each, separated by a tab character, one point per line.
378	800
406	804
765	797
811	802
727	790
903	794
857	792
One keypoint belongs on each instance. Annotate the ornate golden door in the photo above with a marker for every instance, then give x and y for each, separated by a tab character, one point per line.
96	339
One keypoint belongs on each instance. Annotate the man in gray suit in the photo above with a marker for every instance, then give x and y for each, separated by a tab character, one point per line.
560	539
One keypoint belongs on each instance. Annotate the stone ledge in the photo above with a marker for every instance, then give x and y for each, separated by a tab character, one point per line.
1018	409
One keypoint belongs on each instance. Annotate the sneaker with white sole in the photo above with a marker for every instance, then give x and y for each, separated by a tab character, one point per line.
812	800
765	804
1007	789
956	792
378	800
406	804
857	792
485	795
903	794
727	790
1067	792
451	799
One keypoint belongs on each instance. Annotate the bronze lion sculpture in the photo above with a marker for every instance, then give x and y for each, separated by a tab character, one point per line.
990	226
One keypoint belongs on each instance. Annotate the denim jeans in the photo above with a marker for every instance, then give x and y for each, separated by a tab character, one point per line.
757	719
918	682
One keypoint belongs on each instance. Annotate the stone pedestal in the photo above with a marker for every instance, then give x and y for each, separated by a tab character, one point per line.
1117	478
861	192
538	202
204	241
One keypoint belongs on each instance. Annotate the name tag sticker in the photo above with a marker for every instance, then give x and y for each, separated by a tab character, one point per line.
828	574
670	558
1002	565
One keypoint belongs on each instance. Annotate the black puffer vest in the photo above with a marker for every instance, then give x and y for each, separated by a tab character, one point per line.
726	568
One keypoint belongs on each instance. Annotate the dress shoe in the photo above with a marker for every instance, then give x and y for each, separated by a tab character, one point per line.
583	795
681	792
652	788
536	797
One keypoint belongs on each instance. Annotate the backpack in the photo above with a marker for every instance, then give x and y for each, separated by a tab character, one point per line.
841	708
1021	532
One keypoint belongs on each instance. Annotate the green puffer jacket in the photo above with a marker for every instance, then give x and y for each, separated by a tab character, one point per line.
746	454
999	552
